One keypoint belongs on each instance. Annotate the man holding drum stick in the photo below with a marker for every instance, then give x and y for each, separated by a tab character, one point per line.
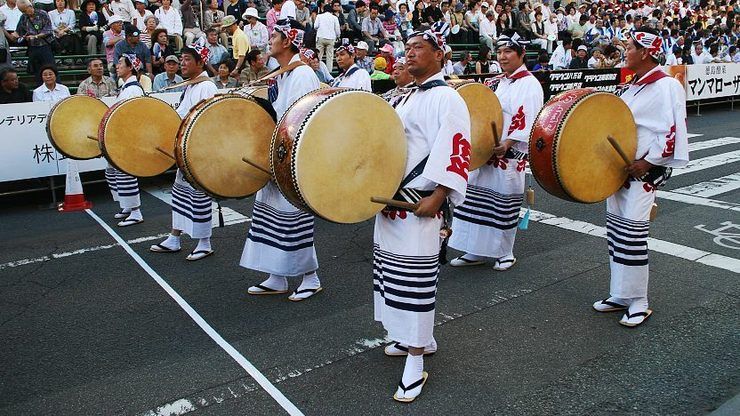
485	225
191	208
123	187
658	104
280	240
406	252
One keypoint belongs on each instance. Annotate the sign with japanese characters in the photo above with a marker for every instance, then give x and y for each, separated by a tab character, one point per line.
25	150
712	81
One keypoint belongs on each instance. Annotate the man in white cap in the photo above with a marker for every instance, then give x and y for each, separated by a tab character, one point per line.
352	76
580	61
256	31
361	58
240	44
111	37
280	239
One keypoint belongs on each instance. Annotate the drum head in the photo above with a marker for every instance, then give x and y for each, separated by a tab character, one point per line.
590	170
338	169
132	130
215	137
484	108
71	121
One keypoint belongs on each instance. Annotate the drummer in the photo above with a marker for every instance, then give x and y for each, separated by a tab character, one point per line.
280	239
485	225
125	188
352	76
407	244
191	208
658	104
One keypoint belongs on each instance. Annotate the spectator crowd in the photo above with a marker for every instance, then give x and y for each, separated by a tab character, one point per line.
563	34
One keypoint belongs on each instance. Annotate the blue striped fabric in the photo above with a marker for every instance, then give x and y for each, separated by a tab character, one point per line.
489	208
286	231
407	283
191	204
627	240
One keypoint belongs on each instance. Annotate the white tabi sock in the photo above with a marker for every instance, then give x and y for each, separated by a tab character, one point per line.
310	281
638	305
413	369
276	282
172	242
203	244
135	214
473	257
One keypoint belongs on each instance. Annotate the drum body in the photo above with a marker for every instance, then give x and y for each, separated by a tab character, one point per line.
133	129
569	154
70	124
484	108
214	137
328	160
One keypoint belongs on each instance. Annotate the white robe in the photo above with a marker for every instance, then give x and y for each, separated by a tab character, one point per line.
125	188
280	238
485	225
358	79
406	247
658	104
191	208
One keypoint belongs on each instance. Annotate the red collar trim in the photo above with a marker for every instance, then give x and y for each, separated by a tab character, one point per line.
518	75
651	77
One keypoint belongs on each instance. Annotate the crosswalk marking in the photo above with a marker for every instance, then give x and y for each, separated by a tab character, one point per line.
708	144
708	162
710	188
696	200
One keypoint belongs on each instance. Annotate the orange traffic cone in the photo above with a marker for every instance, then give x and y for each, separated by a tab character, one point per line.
74	199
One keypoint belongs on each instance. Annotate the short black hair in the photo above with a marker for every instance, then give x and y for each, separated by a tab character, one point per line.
5	71
253	55
52	67
91	60
229	64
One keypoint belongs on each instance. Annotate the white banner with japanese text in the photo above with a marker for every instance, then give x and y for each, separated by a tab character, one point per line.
712	81
25	150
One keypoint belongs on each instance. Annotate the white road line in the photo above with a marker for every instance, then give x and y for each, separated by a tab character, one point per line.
712	187
691	135
53	256
654	244
207	328
708	144
695	200
231	217
708	162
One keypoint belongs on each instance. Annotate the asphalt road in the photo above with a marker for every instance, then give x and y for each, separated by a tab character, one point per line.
85	330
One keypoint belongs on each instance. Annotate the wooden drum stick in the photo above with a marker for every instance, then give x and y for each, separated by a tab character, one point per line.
619	150
92	138
166	153
394	203
496	142
256	166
